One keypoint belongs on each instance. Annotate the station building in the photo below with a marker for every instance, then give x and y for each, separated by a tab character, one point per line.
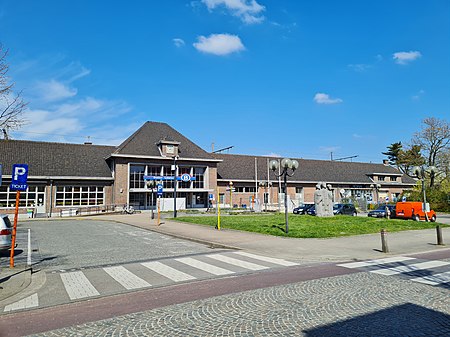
68	179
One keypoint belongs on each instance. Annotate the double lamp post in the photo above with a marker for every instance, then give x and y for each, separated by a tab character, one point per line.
283	168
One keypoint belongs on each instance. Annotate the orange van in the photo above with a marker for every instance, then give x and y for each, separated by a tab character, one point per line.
413	210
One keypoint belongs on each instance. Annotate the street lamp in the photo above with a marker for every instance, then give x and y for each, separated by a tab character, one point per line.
230	186
265	184
377	190
151	184
286	164
175	173
420	172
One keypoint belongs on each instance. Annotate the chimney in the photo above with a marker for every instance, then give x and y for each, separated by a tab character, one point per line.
87	143
386	162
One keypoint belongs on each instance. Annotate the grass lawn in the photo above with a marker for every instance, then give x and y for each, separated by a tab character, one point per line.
305	226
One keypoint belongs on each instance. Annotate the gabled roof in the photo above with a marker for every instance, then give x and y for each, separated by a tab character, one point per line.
56	159
144	142
242	167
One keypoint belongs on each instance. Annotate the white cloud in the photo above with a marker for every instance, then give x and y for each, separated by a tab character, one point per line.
51	91
178	42
321	98
219	44
249	11
405	57
360	67
419	95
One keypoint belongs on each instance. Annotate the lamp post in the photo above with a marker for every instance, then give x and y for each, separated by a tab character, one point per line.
175	174
420	172
230	186
265	184
376	187
151	184
286	165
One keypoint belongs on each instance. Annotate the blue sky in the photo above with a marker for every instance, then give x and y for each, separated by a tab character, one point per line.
270	77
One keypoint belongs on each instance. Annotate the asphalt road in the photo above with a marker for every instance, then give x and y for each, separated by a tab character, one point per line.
73	244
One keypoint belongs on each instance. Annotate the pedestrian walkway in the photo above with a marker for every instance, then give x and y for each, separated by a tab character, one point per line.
67	286
432	272
358	247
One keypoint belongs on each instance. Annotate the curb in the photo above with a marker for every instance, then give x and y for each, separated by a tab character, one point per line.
14	281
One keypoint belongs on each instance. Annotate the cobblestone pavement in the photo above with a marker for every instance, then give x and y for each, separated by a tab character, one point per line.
362	304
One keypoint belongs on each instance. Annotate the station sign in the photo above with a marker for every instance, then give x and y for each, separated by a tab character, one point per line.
184	178
19	177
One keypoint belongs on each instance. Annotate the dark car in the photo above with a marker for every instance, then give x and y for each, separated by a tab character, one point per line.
380	212
311	210
344	209
302	209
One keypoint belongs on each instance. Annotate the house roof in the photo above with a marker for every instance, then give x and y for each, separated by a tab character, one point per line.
144	142
56	159
242	167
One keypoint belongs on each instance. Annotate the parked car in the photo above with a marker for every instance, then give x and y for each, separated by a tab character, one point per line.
302	209
413	210
311	210
380	212
344	209
5	232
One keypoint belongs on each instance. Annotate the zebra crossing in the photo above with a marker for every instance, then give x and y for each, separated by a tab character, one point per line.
66	286
431	272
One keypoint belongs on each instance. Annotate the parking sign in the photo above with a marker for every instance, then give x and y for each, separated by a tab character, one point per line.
19	177
159	190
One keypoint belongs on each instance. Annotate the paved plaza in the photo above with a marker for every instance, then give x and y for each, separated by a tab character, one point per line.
362	304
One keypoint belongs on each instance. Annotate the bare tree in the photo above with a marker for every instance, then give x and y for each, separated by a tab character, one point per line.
434	140
12	105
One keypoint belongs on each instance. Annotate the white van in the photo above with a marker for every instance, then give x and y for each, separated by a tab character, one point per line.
5	232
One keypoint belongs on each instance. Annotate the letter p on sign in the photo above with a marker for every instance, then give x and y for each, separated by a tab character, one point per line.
19	177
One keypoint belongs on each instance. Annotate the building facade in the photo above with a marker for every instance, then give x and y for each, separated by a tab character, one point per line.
67	179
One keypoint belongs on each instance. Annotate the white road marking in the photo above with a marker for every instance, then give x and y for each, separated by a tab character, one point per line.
375	262
236	262
78	286
268	259
25	303
434	279
126	278
411	267
169	272
204	266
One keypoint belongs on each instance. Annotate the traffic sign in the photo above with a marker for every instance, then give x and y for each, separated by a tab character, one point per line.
159	190
404	198
19	177
387	199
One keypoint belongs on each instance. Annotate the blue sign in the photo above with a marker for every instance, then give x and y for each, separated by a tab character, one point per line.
159	190
404	198
19	177
184	177
211	196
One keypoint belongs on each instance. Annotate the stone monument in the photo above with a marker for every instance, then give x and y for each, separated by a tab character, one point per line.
323	200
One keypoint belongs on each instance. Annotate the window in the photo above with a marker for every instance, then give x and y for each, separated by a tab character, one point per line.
250	189
381	178
33	196
199	177
239	189
79	195
137	176
393	178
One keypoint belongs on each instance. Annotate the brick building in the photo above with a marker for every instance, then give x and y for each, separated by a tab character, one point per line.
82	177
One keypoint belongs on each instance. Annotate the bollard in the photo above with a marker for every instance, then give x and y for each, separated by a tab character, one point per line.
384	245
440	240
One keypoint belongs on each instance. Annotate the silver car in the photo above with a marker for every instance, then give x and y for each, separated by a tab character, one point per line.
5	232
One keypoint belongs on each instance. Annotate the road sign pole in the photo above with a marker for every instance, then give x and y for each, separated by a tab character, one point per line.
13	239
